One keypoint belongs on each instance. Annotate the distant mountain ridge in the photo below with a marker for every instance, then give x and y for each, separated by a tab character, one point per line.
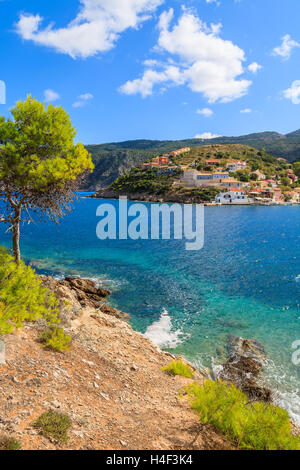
116	158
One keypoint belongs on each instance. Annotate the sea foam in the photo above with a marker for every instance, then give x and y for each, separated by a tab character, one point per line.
290	402
161	334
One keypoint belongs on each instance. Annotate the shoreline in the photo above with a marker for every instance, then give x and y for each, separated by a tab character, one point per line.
173	199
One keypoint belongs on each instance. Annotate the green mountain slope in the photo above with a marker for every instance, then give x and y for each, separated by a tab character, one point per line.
115	159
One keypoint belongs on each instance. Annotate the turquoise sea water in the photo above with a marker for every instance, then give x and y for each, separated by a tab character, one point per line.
245	281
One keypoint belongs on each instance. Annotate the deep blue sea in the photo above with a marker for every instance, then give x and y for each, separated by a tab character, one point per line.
245	281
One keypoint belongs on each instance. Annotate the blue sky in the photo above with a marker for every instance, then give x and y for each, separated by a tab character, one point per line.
156	69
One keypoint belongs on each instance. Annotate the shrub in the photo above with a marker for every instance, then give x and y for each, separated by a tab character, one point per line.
22	296
54	426
205	195
56	339
178	368
252	426
9	443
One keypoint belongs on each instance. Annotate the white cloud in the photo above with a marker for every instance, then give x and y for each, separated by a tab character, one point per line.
207	136
96	28
50	96
254	67
293	93
2	92
207	112
286	47
246	111
151	63
83	100
86	96
145	85
206	63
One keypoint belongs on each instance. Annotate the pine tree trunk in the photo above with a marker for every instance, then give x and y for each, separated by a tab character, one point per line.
16	234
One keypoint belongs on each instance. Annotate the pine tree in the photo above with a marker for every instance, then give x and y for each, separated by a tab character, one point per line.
40	166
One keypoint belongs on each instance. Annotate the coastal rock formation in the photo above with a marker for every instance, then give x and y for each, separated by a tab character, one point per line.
244	366
87	287
114	312
241	347
81	293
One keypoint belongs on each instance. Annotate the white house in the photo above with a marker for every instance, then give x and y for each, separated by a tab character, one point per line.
189	178
236	165
197	179
232	183
234	196
260	175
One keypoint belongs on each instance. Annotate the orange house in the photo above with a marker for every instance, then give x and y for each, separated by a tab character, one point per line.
278	196
212	162
163	160
156	162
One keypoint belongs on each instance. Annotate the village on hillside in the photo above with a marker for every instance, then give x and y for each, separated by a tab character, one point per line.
258	178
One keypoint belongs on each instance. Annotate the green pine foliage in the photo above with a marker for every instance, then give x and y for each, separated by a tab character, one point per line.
38	148
252	426
54	426
56	339
178	368
22	296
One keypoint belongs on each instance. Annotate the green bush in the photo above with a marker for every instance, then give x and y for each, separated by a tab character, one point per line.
178	368
204	195
22	296
54	426
143	180
56	339
255	426
9	443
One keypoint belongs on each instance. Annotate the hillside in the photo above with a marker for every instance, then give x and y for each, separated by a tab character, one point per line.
110	163
115	159
165	183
